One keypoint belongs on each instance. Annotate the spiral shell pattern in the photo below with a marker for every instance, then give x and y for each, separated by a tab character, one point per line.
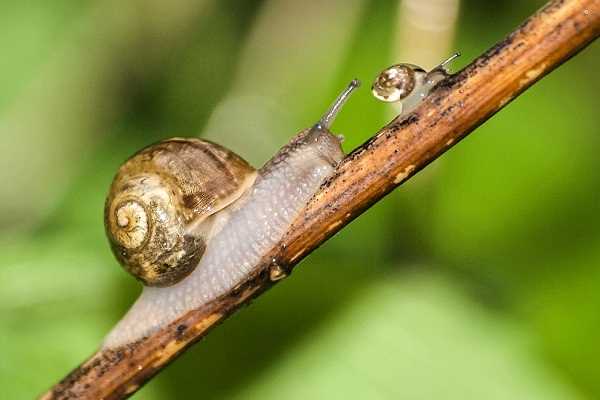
157	214
396	82
131	228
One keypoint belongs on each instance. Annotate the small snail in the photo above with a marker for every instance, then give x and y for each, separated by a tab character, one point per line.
408	83
190	219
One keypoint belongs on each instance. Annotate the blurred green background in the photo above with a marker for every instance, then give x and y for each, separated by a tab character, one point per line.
479	278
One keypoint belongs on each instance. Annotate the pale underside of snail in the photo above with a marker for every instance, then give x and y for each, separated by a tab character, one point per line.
408	84
217	241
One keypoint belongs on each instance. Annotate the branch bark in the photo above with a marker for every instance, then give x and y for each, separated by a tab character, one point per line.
400	149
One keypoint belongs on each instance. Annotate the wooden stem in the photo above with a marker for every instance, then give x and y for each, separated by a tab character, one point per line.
457	106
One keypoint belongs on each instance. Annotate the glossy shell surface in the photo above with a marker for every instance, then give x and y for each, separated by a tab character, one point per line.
158	211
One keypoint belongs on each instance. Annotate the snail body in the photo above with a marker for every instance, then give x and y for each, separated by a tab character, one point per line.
251	220
408	84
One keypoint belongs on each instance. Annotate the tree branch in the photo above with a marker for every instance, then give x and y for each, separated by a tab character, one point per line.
406	145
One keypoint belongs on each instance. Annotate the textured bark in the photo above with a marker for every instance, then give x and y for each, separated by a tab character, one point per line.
456	106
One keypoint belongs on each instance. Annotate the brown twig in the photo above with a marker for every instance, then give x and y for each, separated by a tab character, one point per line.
403	147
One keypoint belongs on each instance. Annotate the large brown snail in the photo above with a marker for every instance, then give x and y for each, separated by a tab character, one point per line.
190	219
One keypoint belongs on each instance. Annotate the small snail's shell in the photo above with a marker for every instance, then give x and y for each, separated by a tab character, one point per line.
158	208
398	82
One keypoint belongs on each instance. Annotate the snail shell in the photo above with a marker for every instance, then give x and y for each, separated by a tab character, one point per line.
397	82
157	214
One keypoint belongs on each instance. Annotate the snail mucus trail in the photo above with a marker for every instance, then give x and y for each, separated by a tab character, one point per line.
213	240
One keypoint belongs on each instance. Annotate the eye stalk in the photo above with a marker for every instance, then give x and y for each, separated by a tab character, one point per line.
327	119
325	144
447	61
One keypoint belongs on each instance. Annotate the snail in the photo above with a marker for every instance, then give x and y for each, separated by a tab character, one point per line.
408	83
190	218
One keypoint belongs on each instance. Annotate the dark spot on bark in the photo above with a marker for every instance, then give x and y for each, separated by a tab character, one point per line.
179	332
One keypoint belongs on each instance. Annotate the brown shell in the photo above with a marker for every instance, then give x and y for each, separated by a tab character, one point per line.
156	213
396	82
